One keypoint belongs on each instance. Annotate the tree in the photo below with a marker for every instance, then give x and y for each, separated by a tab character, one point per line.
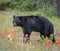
58	7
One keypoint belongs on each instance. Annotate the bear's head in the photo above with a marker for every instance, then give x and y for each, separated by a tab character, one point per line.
17	21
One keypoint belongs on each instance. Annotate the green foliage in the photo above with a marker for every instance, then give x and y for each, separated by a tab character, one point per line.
4	1
4	4
23	4
51	36
43	6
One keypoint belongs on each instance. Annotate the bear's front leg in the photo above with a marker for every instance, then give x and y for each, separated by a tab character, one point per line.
27	32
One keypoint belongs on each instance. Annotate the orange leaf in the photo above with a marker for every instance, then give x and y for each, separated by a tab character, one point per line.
44	44
1	33
13	31
18	44
49	45
58	42
6	31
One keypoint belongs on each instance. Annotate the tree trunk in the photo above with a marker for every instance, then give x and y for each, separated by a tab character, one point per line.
58	8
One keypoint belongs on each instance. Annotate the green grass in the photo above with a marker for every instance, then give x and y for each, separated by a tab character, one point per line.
6	18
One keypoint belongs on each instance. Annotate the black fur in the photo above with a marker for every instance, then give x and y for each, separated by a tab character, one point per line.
34	23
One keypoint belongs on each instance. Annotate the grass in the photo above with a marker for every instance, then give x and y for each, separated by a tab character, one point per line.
14	43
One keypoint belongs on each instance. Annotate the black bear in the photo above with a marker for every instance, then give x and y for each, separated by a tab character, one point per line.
34	23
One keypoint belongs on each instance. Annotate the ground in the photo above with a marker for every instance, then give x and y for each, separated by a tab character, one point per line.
11	37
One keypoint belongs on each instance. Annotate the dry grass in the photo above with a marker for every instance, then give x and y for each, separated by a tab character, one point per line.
16	43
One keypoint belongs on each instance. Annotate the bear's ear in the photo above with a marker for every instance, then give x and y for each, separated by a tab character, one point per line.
14	16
